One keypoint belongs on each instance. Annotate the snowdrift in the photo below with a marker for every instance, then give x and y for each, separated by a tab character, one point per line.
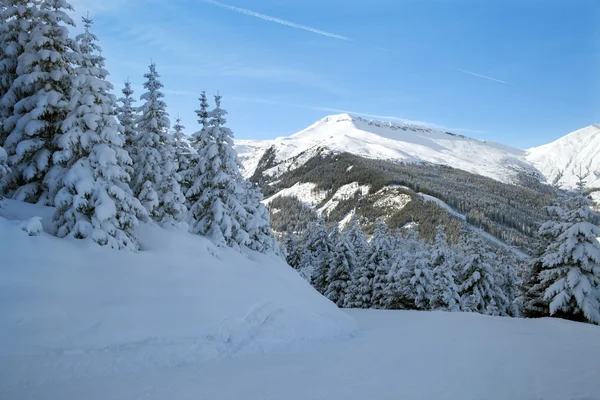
180	300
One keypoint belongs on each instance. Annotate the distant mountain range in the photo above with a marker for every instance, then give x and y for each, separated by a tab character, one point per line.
416	177
561	160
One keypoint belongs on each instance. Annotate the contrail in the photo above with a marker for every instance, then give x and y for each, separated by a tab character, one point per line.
276	20
479	75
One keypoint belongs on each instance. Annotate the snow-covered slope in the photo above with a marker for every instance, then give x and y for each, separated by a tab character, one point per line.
70	308
397	355
576	152
389	141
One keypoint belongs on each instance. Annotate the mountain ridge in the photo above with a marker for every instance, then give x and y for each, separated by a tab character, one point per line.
406	142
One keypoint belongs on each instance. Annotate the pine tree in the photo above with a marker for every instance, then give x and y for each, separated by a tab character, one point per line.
39	95
95	200
443	262
216	209
570	266
342	261
198	142
127	115
156	180
479	288
380	261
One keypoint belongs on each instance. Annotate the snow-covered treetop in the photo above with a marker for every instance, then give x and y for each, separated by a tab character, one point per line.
154	112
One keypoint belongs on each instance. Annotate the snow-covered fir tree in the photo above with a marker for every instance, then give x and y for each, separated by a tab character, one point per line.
479	287
127	115
443	262
95	200
183	155
360	291
258	221
357	239
533	304
38	99
570	266
510	282
317	253
293	250
4	170
342	261
380	261
215	196
155	181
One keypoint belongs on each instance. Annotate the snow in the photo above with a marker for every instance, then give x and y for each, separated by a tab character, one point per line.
250	152
305	192
487	236
443	205
72	310
343	193
397	355
346	220
575	152
389	141
389	198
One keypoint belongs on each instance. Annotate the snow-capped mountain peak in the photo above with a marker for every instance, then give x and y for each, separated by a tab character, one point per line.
389	141
574	154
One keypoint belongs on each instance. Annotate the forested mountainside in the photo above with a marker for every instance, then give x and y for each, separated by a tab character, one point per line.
422	194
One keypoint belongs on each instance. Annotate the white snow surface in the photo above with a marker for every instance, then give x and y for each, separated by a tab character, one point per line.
305	192
575	152
396	355
389	198
389	141
71	310
343	193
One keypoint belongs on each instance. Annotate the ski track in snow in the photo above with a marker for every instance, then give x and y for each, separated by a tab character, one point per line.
397	355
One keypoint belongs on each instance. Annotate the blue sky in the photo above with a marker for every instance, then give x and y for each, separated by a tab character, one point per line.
519	72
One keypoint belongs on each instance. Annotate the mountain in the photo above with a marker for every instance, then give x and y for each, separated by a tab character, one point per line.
577	153
416	177
344	133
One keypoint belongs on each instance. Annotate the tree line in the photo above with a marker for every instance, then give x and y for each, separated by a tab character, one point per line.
398	269
106	164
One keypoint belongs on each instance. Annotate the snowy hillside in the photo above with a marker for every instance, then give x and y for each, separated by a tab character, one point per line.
396	355
388	141
70	308
576	152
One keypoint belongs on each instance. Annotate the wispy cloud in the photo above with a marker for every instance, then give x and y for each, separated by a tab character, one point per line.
464	71
276	20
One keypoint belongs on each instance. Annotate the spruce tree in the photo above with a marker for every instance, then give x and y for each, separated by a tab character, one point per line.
317	248
155	181
258	221
443	262
4	170
216	210
380	261
570	266
357	239
127	115
532	299
95	200
479	285
342	261
39	95
183	155
292	248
